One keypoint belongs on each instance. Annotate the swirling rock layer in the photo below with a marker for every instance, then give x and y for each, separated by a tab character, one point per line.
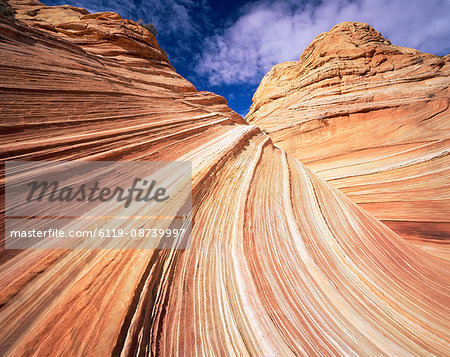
281	264
372	119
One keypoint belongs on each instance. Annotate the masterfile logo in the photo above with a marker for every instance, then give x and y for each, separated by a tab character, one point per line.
52	192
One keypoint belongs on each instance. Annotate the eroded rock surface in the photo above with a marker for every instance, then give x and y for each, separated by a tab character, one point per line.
281	262
370	118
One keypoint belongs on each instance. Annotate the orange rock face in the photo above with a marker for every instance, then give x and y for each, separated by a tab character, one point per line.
281	263
370	118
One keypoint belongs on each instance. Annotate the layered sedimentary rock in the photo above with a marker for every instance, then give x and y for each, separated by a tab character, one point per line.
370	118
281	262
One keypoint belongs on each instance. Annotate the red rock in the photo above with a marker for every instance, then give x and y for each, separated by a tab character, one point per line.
372	119
281	262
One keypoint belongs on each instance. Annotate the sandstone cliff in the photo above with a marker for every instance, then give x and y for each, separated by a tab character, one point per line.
281	262
370	118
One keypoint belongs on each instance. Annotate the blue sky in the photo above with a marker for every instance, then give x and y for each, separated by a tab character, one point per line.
227	46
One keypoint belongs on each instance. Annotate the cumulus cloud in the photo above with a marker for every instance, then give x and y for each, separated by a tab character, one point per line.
268	32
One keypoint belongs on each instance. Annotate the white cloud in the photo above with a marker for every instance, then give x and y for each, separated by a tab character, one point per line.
270	32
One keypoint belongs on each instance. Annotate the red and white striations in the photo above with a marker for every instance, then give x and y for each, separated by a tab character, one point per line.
372	119
281	264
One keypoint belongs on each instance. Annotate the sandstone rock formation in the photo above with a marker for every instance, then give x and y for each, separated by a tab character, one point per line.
281	264
370	118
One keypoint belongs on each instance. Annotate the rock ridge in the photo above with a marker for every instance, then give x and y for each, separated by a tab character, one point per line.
371	118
